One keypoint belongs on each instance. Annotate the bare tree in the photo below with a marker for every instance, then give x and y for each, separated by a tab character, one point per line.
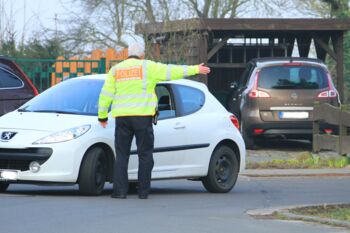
91	24
102	23
314	8
235	8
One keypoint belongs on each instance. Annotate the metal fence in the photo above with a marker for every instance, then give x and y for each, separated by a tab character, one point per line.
45	73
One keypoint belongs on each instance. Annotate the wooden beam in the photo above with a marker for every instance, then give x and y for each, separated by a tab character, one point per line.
217	47
245	25
321	53
226	65
325	46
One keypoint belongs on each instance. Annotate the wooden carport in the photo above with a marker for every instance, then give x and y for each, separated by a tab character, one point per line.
226	45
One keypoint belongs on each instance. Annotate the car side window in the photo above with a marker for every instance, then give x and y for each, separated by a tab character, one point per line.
9	80
189	99
166	106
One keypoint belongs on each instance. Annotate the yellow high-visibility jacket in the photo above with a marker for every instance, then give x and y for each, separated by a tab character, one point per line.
130	87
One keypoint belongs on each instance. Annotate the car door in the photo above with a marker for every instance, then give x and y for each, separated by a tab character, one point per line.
198	126
170	138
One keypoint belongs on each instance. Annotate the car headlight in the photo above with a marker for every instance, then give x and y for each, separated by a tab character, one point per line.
65	135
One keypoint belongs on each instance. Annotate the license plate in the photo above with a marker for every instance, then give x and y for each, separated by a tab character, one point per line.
293	115
8	175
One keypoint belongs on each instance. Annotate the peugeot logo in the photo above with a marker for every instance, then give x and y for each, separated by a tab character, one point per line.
294	96
6	136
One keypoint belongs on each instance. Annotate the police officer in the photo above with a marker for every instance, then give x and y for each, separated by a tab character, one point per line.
130	89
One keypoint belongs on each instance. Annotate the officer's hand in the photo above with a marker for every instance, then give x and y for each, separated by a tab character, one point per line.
104	123
203	69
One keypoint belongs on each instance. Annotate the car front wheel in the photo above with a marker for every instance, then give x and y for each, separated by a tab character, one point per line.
223	171
93	172
4	186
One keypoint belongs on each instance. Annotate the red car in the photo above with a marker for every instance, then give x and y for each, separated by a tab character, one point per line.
15	86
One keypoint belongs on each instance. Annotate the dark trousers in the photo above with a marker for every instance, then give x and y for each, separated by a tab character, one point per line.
126	128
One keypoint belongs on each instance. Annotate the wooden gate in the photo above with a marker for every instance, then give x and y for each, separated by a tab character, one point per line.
335	116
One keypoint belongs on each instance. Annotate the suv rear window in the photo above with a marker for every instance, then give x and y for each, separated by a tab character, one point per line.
293	77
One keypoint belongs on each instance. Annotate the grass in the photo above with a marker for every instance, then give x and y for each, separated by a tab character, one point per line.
303	160
337	212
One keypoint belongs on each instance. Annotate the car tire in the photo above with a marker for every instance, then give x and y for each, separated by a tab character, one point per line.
3	186
223	171
93	172
249	141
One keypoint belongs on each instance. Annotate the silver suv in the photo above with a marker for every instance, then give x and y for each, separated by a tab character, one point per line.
275	97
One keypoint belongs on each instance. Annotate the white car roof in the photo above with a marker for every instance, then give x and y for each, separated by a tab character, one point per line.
186	82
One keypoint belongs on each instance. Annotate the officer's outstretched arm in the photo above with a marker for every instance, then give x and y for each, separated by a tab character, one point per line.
162	72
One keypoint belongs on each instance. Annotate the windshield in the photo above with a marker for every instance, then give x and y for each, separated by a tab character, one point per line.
293	77
74	96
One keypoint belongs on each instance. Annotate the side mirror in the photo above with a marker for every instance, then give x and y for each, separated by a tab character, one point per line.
233	85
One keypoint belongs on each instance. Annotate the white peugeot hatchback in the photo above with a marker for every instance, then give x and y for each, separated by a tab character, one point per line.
55	138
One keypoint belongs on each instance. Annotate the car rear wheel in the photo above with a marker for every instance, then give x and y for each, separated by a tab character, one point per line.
4	186
223	171
93	172
249	141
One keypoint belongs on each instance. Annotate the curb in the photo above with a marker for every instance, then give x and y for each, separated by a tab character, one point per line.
295	172
270	213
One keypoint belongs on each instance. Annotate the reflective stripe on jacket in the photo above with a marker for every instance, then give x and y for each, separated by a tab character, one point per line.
130	86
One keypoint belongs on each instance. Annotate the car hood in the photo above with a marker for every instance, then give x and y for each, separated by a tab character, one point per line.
43	121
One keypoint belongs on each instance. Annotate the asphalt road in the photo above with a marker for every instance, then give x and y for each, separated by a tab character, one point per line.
174	206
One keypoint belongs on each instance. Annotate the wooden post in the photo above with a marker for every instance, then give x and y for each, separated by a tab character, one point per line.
338	40
342	131
315	128
203	54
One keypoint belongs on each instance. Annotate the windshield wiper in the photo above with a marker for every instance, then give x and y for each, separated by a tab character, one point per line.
56	111
23	110
284	87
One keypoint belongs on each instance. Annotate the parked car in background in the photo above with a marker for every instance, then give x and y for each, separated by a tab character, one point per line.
56	138
15	86
275	97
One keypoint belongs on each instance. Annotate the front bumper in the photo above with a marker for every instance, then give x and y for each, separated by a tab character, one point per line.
59	162
19	159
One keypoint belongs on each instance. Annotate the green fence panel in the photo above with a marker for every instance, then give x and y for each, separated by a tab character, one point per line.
41	71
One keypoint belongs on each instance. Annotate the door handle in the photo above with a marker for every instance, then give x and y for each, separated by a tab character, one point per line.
179	125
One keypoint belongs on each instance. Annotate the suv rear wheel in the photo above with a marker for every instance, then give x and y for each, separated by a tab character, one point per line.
249	141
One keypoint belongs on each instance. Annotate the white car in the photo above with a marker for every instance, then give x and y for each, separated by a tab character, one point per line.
55	138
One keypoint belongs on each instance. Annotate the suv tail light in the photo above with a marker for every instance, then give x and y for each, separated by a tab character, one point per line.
258	131
328	131
255	93
234	121
331	92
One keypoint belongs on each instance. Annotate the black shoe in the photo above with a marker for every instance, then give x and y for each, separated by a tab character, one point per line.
120	196
143	196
